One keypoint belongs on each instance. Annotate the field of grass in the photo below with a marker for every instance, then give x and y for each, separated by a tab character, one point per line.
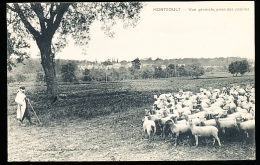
102	121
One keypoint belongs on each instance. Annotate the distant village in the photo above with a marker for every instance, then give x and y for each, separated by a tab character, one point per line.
114	64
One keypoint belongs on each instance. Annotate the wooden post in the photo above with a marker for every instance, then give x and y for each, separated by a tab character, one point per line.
106	76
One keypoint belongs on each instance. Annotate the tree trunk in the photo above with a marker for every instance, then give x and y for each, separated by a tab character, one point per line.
48	64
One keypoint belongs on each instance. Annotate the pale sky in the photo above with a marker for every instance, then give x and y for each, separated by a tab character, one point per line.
174	34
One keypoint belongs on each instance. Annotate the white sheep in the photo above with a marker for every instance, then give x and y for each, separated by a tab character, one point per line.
224	90
200	114
213	111
210	122
218	104
251	99
194	97
205	104
214	97
230	107
188	103
177	129
221	96
163	125
149	127
203	97
207	93
247	116
196	121
241	110
245	105
235	115
155	117
182	111
205	131
178	106
252	111
246	126
226	123
229	98
241	92
183	121
216	91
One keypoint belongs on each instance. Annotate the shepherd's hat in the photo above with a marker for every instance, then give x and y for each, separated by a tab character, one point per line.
22	88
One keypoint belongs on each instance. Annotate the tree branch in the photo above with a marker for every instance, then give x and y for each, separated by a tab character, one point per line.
34	32
9	7
52	15
37	8
61	9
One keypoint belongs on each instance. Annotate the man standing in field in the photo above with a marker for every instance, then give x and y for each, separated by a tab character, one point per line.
22	109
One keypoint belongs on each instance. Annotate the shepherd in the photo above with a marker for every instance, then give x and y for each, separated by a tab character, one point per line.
22	108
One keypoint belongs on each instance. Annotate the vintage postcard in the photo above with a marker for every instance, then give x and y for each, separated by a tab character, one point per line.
131	81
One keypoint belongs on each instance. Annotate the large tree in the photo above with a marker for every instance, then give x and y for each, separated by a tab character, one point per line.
45	21
171	70
68	72
136	64
239	67
195	70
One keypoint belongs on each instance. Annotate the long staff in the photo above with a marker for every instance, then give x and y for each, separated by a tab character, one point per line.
34	112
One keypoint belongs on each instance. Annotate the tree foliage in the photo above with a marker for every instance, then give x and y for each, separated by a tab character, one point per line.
20	78
171	70
40	77
195	70
68	72
159	72
136	64
182	71
86	75
15	46
10	79
148	73
239	67
107	62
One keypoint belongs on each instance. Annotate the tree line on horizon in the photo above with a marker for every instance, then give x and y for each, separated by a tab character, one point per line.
68	70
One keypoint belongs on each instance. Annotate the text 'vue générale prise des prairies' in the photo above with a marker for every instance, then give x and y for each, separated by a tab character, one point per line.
201	9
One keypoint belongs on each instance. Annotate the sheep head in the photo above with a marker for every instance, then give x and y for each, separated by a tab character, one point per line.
169	122
190	122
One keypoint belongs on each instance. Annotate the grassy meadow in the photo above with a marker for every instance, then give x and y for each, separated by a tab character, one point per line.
102	122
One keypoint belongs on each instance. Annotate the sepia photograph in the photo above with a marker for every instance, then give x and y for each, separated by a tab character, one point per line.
130	81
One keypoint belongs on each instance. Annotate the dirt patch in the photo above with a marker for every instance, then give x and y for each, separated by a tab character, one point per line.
116	137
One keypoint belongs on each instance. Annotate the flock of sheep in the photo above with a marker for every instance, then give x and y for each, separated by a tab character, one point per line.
203	114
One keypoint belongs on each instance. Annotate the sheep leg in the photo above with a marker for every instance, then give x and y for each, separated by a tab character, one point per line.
144	133
164	132
216	137
154	131
197	139
161	129
214	141
237	128
176	139
149	135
